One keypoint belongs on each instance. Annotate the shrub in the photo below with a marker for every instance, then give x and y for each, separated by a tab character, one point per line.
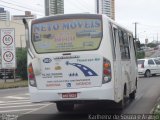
140	54
21	70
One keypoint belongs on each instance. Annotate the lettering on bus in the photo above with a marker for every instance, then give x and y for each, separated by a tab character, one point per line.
88	60
52	75
83	83
62	25
53	85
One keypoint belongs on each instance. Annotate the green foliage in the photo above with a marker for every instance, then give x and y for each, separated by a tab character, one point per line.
21	70
151	45
140	55
156	112
142	45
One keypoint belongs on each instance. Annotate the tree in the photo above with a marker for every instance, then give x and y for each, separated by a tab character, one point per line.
21	70
151	45
140	54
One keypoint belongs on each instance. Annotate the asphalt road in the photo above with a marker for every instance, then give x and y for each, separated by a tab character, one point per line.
17	101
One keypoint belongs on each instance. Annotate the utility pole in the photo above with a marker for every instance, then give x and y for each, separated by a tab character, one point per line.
157	38
135	30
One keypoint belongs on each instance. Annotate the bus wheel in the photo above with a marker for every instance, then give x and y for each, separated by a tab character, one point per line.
122	103
64	107
132	95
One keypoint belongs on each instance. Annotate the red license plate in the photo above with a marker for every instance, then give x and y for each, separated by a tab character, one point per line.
69	95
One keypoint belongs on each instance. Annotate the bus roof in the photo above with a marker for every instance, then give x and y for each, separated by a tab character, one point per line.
66	16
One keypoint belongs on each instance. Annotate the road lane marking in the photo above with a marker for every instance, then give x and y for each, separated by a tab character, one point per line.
12	101
1	104
22	106
38	109
14	97
8	111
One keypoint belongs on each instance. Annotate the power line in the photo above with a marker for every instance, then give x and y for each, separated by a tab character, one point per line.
153	26
81	3
11	22
80	7
17	9
18	5
22	3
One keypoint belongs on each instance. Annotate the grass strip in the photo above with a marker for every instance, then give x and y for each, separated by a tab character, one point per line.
156	112
16	84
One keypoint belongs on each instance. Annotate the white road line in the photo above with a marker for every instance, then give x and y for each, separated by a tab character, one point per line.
1	104
26	94
20	94
34	110
6	104
8	111
12	101
14	97
22	106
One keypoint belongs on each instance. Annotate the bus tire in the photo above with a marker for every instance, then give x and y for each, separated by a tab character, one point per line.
64	107
122	103
132	95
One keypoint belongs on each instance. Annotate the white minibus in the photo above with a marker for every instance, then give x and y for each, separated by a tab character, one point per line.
78	58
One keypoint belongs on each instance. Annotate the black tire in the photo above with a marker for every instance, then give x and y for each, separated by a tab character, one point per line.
122	103
132	95
147	74
64	107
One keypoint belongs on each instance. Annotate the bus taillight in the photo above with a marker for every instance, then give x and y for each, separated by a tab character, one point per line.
31	76
107	75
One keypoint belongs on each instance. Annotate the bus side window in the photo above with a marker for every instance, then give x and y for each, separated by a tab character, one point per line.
124	45
127	45
113	40
132	47
114	32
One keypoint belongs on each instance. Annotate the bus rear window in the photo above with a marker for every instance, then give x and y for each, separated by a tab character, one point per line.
67	35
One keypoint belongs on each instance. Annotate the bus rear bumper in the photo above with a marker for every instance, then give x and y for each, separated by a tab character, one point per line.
84	94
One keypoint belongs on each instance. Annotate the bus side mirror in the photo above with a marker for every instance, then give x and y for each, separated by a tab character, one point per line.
25	23
27	36
26	31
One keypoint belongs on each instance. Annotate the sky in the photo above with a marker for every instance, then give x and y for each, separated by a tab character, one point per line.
144	12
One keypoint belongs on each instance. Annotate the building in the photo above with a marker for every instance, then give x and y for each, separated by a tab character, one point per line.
53	7
106	7
28	15
4	15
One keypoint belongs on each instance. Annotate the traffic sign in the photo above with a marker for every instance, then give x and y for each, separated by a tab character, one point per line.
7	40
8	56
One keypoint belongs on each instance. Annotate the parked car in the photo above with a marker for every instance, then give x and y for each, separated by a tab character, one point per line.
148	67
